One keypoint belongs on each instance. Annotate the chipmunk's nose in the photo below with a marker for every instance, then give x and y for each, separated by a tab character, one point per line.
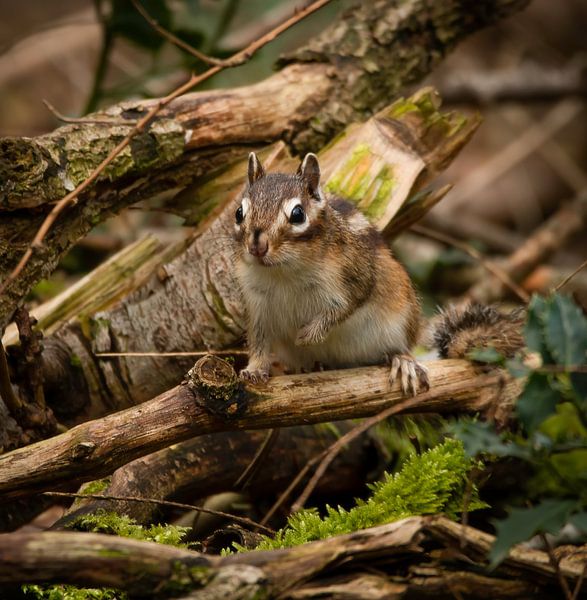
259	245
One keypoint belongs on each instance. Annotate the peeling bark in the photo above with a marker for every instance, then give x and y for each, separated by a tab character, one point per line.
343	75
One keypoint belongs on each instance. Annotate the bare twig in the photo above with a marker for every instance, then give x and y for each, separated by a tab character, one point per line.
247	475
12	401
171	354
66	119
478	256
236	518
579	584
209	60
525	143
570	276
556	566
529	82
292	486
567	221
139	127
98	447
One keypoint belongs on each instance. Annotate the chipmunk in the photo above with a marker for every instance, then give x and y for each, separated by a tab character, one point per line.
319	283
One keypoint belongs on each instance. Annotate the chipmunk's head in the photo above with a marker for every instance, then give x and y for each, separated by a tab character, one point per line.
279	217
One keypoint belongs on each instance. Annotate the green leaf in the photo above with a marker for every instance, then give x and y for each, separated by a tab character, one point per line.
486	355
516	367
522	523
565	331
579	520
537	401
534	329
566	424
481	438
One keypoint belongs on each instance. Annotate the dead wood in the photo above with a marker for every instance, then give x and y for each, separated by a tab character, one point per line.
530	82
212	399
414	556
211	464
343	75
552	235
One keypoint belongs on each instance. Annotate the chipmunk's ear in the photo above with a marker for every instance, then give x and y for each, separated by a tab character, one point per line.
256	170
309	170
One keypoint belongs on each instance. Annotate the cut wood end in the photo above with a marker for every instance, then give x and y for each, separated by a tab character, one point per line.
216	387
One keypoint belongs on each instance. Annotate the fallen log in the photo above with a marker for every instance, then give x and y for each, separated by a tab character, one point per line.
212	399
418	554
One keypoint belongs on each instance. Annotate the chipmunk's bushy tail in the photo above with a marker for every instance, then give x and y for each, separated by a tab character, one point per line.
458	330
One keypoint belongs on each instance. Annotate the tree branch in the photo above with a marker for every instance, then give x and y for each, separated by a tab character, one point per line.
212	399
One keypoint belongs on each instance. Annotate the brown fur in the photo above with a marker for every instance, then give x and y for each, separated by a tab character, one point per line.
462	329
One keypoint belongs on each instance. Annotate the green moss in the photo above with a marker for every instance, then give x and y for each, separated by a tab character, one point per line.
112	523
75	360
96	486
70	592
429	483
161	145
186	578
183	579
382	186
352	180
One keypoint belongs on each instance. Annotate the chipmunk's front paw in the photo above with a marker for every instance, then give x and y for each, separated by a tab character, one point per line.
414	376
310	334
255	375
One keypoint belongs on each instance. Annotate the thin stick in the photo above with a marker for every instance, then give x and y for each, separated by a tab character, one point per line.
247	475
180	43
474	253
556	566
292	486
65	119
12	401
170	354
579	584
331	453
242	520
140	125
569	277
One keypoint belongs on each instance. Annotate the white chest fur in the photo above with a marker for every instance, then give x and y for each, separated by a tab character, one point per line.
285	299
282	300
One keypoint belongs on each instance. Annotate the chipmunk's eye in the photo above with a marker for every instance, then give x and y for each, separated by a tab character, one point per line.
297	215
239	216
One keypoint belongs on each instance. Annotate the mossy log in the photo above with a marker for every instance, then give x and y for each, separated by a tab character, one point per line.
211	464
212	399
414	557
354	68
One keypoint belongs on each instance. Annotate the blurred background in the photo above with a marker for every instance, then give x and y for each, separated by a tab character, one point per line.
527	76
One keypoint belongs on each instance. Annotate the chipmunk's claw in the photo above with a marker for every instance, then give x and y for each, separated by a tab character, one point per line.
255	375
413	375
